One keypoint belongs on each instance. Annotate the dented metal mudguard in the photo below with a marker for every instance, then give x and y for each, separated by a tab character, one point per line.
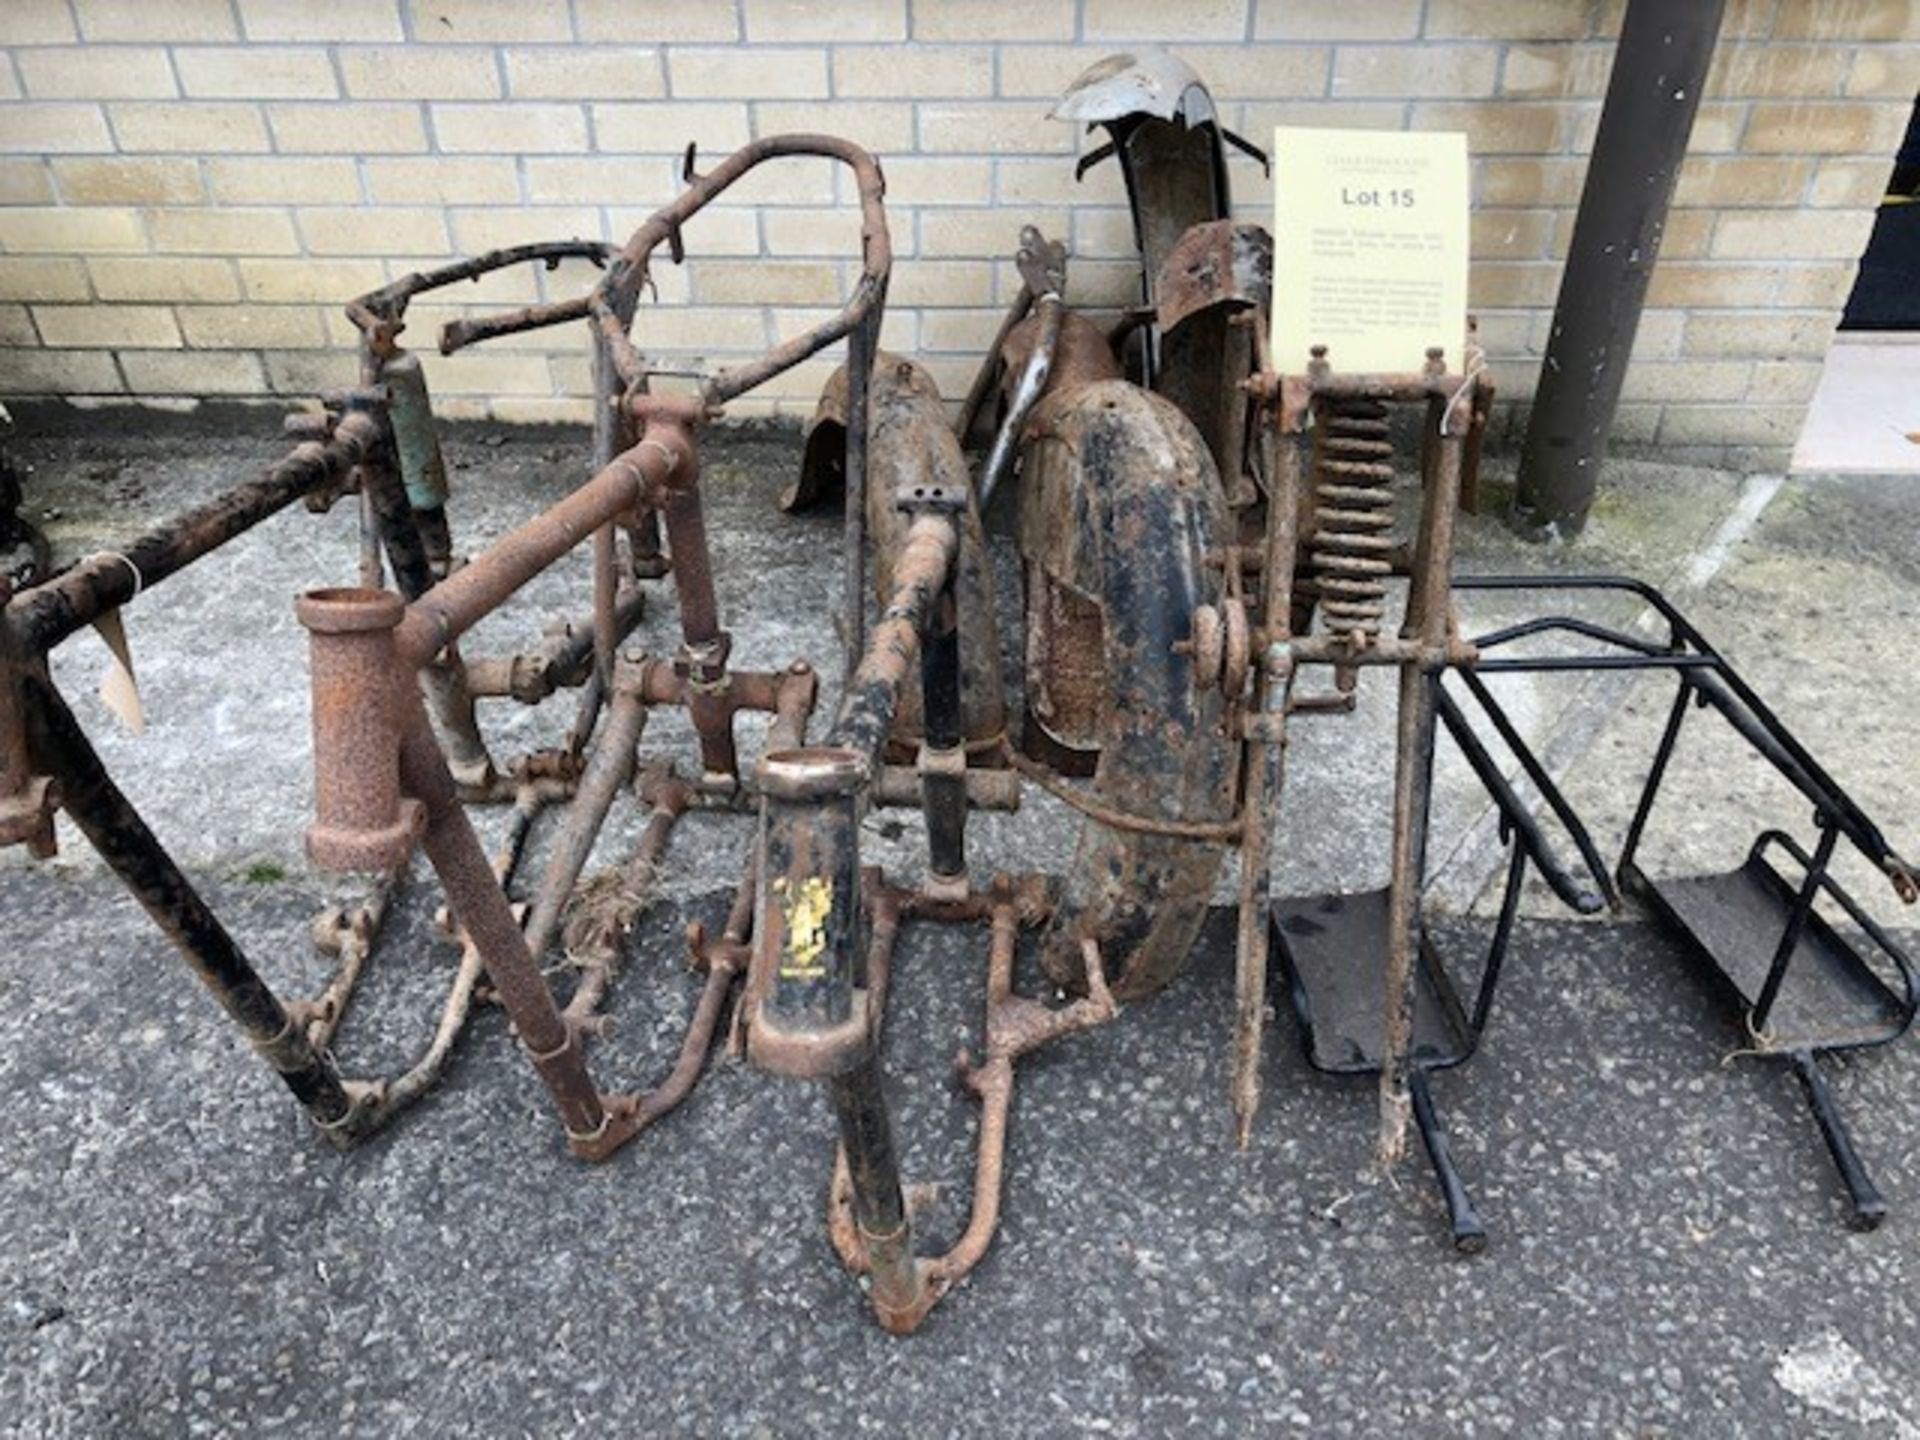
1217	278
1167	136
1120	504
910	441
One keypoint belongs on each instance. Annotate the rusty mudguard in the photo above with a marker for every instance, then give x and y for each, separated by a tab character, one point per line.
910	440
1120	504
1217	278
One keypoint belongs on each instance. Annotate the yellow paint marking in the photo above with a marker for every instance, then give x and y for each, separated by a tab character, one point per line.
808	906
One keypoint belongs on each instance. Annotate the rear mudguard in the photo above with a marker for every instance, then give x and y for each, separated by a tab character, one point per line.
1217	278
1120	504
909	440
1197	267
1169	141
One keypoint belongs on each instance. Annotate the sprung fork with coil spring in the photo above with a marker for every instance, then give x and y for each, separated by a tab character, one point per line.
1351	552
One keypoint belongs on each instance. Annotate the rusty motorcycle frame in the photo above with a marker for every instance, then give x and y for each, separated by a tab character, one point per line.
1199	530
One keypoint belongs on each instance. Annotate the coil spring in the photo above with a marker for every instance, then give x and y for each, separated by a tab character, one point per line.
1353	515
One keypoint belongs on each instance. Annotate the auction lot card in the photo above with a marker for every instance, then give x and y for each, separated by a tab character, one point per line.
1369	247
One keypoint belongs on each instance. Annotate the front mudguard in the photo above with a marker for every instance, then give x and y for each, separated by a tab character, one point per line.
1120	506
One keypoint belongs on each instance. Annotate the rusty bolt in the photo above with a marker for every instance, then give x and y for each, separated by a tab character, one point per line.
1205	646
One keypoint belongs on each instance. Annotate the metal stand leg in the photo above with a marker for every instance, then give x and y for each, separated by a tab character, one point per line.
1412	793
1869	1207
898	1287
1469	1233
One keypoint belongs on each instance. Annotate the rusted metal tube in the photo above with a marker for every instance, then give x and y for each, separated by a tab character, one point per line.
723	962
561	658
606	590
444	681
360	820
704	645
636	477
612	433
409	1086
483	912
993	1083
378	314
1015	1026
416	441
1427	620
458	334
116	831
46	614
1399	387
692	567
1026	394
595	932
607	772
900	785
919	577
404	539
879	1209
863	350
350	938
793	698
624	280
1264	763
685	1074
806	1018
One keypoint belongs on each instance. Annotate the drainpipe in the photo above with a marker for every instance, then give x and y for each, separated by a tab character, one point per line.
1659	70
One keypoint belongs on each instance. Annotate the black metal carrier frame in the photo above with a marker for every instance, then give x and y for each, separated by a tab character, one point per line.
1796	986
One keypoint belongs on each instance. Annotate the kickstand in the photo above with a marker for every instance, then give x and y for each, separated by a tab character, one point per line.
1869	1207
1469	1233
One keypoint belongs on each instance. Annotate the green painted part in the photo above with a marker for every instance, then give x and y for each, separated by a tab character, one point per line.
421	468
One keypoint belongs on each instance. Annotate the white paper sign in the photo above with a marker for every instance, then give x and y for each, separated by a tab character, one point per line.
1370	247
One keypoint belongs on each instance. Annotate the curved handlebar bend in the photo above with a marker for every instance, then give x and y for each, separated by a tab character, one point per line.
614	297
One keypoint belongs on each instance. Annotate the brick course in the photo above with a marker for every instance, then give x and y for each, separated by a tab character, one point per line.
189	189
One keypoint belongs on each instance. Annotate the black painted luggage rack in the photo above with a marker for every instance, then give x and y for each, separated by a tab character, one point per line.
1794	984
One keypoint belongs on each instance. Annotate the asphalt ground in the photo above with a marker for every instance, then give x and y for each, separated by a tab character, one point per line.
180	1254
183	1256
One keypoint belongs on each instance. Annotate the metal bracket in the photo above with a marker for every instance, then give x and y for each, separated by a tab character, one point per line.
930	499
1090	159
1042	263
811	1054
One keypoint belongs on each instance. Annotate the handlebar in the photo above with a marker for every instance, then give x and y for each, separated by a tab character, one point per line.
611	304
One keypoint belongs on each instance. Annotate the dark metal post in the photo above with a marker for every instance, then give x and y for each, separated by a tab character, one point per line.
943	754
1659	70
810	929
116	831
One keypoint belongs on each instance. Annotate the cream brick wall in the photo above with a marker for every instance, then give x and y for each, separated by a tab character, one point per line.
189	189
